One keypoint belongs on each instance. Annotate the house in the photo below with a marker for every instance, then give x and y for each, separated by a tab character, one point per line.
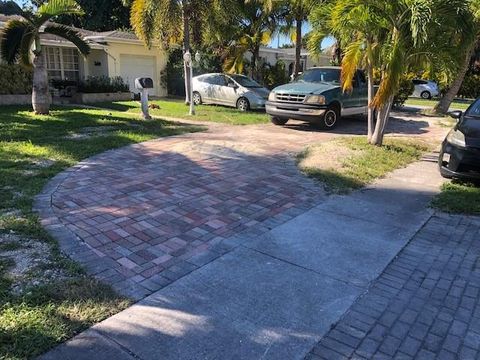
270	56
113	53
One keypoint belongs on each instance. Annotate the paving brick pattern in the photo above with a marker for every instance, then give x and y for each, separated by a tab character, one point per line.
426	304
143	216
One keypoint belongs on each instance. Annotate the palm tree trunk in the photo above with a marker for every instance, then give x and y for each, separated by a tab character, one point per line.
40	95
445	102
255	56
186	47
371	93
381	125
298	47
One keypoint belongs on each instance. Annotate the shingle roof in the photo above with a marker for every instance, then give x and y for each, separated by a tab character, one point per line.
116	34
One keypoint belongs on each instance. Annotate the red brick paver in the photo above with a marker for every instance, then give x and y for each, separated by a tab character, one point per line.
142	216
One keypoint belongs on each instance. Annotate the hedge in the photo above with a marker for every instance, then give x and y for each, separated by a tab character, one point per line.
15	80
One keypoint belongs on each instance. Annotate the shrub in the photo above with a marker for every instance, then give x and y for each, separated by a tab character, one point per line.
102	84
405	90
274	75
471	86
15	80
173	76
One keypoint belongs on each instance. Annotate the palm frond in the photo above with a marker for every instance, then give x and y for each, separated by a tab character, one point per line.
350	63
25	47
54	8
11	39
69	34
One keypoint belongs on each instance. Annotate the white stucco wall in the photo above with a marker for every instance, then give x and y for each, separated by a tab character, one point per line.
116	50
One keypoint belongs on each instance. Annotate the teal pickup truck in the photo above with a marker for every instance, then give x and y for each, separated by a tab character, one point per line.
317	97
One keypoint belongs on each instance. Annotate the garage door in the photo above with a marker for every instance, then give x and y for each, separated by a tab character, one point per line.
132	67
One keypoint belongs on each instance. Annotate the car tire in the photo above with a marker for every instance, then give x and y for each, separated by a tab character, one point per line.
243	104
426	95
197	98
278	120
329	120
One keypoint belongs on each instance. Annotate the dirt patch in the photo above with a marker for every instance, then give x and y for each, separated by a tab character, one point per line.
30	262
92	131
327	156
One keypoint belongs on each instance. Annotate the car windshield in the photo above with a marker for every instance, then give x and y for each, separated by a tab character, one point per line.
474	110
245	81
320	75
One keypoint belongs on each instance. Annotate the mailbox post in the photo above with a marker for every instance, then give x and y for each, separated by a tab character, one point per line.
143	84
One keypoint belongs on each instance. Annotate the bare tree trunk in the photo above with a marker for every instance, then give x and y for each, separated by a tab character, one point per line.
186	47
371	91
255	56
445	102
381	125
371	94
298	47
40	95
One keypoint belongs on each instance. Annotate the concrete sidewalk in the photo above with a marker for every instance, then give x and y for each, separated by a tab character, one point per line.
276	295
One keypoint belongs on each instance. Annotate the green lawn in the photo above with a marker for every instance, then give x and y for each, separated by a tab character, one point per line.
177	108
349	163
458	197
458	104
32	150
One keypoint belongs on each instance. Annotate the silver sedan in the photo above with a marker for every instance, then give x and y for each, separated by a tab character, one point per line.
230	90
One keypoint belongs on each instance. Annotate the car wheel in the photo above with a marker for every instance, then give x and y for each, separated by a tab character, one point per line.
197	98
278	121
426	95
330	119
243	104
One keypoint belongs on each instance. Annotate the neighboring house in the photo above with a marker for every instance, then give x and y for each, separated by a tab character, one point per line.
114	53
270	56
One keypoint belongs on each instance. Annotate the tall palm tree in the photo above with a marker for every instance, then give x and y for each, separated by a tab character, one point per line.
445	102
243	26
21	35
295	14
391	36
171	22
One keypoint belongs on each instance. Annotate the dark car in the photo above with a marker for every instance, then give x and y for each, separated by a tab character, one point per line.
460	154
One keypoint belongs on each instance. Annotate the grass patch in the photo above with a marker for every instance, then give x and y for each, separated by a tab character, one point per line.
456	104
32	150
177	108
349	163
458	197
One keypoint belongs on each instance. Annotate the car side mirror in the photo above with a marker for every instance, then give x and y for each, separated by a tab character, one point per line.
232	85
455	114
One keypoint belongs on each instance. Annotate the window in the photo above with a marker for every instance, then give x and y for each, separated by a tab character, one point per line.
62	63
420	82
328	75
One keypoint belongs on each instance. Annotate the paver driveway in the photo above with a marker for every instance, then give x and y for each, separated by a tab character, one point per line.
145	215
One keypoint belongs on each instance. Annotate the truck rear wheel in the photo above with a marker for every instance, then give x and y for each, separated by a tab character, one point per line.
278	121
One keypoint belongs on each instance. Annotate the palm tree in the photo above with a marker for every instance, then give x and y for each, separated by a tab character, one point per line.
243	26
391	36
445	102
20	35
170	22
295	13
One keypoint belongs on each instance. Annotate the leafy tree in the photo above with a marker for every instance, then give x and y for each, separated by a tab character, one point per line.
9	8
102	15
19	36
